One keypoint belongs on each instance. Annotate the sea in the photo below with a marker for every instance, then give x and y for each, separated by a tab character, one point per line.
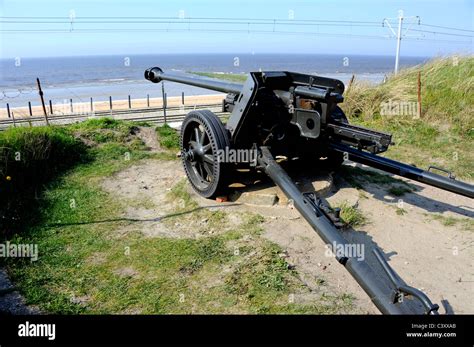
99	77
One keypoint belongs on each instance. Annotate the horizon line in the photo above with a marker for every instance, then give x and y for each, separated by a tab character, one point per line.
232	53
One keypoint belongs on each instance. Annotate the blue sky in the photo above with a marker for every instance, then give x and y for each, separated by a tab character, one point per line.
449	13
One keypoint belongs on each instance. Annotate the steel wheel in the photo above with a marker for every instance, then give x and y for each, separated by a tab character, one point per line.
202	136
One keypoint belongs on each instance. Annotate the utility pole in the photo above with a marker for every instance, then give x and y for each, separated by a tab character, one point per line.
399	39
400	34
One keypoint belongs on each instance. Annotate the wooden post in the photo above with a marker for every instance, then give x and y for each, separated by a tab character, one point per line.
148	100
129	102
163	100
182	98
92	105
110	103
8	110
50	107
419	94
40	91
13	118
165	106
29	107
351	81
72	107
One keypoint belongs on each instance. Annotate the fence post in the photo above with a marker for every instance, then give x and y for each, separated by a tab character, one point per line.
110	103
148	100
92	105
419	94
182	98
13	118
72	107
129	102
163	100
8	110
351	82
165	105
50	107
29	107
41	94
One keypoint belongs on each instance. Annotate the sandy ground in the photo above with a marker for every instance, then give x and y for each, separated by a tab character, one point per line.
116	105
426	254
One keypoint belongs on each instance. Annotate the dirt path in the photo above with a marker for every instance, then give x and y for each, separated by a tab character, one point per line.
428	255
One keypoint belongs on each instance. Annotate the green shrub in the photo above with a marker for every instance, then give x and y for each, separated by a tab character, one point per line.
169	137
30	157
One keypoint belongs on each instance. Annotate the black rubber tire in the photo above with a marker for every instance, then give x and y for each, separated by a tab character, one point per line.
218	138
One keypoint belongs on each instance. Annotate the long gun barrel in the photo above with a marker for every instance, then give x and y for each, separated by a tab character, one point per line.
156	75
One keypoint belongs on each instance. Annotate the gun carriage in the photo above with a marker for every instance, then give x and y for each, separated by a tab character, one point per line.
294	115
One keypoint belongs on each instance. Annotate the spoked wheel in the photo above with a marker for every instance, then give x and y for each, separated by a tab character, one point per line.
202	137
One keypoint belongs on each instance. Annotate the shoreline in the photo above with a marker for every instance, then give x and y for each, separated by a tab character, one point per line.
18	96
122	104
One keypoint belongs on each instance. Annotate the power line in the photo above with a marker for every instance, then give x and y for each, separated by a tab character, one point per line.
251	31
132	19
102	30
185	22
437	40
444	27
269	20
207	20
441	33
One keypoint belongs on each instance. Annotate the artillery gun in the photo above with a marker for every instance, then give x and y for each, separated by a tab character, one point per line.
296	116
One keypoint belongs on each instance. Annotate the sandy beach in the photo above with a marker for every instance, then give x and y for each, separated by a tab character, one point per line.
85	107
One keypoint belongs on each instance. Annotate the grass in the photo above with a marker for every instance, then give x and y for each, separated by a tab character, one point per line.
30	158
448	221
85	266
351	216
179	193
400	211
158	275
443	135
169	137
358	177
